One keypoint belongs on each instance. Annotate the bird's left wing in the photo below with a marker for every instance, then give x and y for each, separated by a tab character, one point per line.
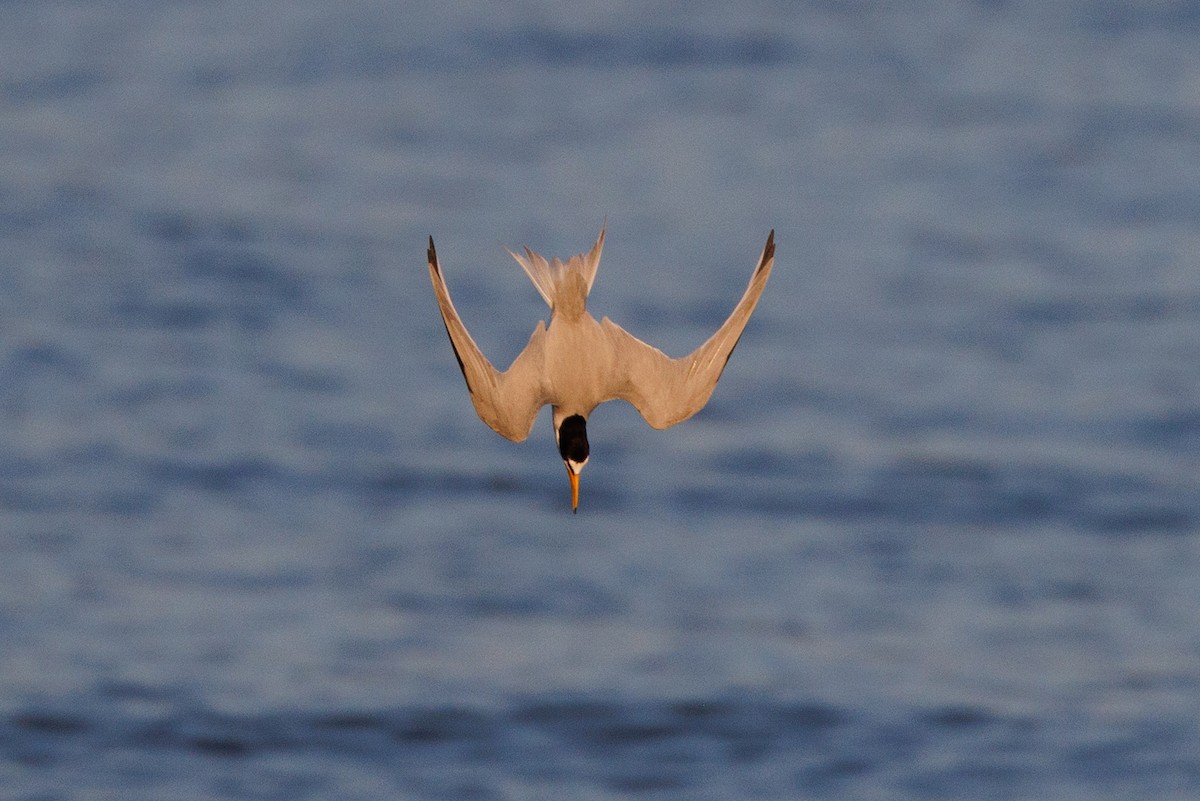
508	402
667	391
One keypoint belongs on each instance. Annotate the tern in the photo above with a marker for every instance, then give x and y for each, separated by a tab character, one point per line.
577	363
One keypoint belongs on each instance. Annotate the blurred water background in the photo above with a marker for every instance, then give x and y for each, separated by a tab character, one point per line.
934	537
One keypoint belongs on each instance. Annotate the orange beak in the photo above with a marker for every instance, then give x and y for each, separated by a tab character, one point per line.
574	490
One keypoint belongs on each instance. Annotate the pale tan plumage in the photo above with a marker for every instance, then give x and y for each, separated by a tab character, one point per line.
578	363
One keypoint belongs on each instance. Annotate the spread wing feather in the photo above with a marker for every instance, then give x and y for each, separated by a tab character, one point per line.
508	402
667	391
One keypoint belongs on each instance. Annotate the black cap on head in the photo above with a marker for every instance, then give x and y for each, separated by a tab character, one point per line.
572	439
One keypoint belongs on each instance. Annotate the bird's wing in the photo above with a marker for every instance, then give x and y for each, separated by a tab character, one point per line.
508	402
667	391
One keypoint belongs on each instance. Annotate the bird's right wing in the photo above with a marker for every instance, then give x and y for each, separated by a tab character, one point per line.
667	391
508	402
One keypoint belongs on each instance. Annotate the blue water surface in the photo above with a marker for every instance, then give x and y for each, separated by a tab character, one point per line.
935	536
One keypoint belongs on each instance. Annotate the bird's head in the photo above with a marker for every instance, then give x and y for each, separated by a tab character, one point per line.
571	435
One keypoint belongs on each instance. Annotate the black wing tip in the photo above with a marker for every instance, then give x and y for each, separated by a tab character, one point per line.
432	254
769	249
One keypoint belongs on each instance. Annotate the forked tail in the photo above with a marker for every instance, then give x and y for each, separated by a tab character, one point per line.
552	278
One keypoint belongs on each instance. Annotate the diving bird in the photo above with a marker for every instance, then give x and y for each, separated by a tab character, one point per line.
577	363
